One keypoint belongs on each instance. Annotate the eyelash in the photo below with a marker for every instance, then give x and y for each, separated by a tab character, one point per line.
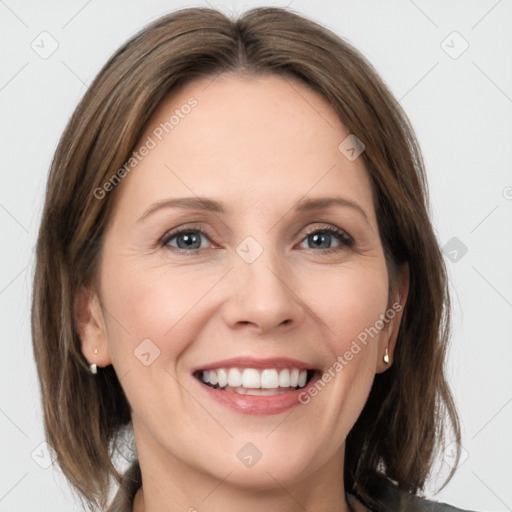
345	240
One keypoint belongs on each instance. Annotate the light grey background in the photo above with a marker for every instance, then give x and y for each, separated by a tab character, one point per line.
461	109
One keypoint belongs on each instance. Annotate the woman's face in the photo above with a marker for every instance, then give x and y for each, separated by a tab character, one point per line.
278	274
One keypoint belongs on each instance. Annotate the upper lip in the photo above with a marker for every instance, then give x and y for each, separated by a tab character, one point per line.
252	362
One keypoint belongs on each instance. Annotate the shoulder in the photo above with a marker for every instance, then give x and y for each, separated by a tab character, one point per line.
393	499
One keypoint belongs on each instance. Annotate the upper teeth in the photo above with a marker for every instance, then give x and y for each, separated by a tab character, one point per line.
271	378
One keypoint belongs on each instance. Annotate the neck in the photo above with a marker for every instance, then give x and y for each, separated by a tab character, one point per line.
289	503
171	485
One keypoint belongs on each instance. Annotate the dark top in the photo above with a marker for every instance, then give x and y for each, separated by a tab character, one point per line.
393	499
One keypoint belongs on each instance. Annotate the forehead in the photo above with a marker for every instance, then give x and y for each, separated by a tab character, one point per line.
255	140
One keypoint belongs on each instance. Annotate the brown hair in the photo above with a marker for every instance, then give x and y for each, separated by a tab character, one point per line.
402	425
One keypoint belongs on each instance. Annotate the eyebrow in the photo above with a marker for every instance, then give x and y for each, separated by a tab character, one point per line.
191	203
306	205
204	203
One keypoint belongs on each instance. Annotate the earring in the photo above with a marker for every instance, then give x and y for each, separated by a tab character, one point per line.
93	367
386	356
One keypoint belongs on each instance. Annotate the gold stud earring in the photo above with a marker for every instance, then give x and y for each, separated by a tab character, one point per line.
386	356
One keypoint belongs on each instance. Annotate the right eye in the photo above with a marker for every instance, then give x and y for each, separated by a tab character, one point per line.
185	240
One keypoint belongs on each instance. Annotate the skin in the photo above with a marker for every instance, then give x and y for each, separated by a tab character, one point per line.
258	145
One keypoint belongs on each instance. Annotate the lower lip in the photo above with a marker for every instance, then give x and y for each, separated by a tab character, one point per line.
258	405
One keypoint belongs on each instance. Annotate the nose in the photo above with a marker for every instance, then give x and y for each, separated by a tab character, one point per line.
263	295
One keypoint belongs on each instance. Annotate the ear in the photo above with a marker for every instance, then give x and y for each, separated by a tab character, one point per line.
90	322
393	314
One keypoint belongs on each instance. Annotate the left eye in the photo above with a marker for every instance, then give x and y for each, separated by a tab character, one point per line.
322	238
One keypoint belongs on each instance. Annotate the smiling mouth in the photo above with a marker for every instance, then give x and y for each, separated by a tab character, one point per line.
256	382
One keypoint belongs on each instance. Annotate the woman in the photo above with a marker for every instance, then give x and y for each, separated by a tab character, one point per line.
236	261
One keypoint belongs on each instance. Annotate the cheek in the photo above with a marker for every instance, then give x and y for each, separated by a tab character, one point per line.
349	304
154	310
348	301
155	314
